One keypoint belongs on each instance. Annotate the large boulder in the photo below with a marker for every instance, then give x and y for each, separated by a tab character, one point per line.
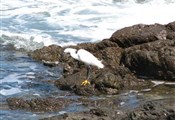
154	59
138	34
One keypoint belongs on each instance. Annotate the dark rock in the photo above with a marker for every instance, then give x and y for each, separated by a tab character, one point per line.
111	56
162	90
105	81
51	53
151	111
108	83
144	49
105	43
73	83
94	114
100	109
171	30
98	112
171	26
114	81
111	102
38	105
138	34
155	59
94	47
103	50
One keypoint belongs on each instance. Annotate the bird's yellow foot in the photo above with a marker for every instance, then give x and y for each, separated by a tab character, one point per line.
85	82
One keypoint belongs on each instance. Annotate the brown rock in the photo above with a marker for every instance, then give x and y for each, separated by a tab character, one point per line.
162	90
50	53
171	26
138	34
171	30
151	111
105	81
155	59
93	114
38	105
111	56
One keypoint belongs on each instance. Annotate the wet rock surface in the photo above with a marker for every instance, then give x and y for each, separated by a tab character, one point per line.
38	104
146	111
162	90
132	56
151	111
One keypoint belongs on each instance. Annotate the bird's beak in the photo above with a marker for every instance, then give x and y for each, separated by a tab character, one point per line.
62	54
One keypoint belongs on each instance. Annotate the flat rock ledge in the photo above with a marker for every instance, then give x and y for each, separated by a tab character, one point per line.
38	104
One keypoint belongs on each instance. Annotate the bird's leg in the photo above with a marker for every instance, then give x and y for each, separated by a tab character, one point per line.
86	82
88	72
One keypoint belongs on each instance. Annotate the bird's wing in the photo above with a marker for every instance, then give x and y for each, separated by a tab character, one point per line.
87	57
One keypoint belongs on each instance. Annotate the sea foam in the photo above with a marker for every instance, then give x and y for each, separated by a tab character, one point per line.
42	23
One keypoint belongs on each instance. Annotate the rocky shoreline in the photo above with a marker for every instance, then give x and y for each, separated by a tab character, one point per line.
133	57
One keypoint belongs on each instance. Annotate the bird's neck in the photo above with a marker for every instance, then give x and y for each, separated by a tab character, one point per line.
74	55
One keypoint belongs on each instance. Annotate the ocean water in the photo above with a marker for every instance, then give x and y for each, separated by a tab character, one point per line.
27	25
31	24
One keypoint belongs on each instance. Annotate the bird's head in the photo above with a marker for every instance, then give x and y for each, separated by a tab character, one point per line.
70	50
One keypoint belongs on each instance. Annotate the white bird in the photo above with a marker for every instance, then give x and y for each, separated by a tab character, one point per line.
85	57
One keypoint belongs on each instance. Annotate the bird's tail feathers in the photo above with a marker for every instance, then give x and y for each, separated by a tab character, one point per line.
100	65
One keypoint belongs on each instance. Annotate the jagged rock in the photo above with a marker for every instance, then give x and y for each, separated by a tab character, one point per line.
97	46
111	56
144	49
154	59
130	53
51	53
171	26
105	81
171	30
139	34
151	111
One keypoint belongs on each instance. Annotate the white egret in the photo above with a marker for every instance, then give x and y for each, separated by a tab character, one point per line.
85	57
